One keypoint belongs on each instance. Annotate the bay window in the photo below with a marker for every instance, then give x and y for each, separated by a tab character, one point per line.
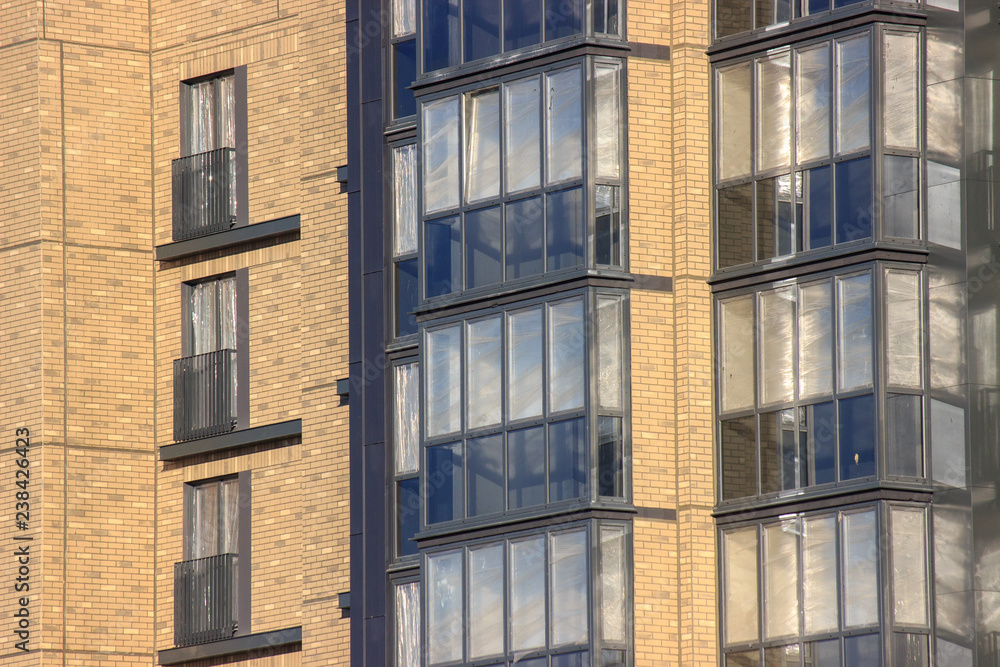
733	17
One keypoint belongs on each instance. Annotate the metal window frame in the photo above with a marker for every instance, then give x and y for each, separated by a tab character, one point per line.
394	477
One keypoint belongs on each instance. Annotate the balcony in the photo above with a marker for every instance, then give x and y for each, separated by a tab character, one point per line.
204	193
205	599
204	395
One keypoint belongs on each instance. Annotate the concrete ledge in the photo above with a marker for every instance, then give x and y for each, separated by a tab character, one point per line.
218	443
257	646
234	236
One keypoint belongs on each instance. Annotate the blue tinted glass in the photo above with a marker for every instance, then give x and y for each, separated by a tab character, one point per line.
442	43
820	444
564	229
406	297
526	467
408	514
818	207
483	248
817	6
579	659
609	457
485	475
482	28
854	200
443	248
406	73
862	650
823	654
567	460
522	23
524	238
600	14
857	437
845	3
444	486
563	18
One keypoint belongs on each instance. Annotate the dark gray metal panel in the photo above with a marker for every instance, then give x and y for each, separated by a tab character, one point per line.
373	594
220	443
264	643
357	584
373	378
257	232
242	348
356	463
373	198
355	271
242	146
372	25
375	641
244	584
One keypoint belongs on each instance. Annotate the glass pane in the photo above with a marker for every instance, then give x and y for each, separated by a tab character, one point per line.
445	607
613	598
904	435
744	659
229	517
524	362
485	475
482	124
909	569
863	650
774	112
737	358
781	584
901	81
408	644
731	17
563	18
607	99
526	467
564	115
910	650
483	248
817	207
778	460
569	585
855	341
900	197
566	355
527	593
203	523
407	515
775	234
567	460
857	437
853	105
404	17
777	312
782	656
406	296
440	151
444	489
443	250
733	123
612	658
404	175
523	128
739	457
823	654
522	23
816	340
818	443
444	380
812	127
576	659
903	328
524	231
609	371
819	575
739	585
854	200
483	367
607	223
564	229
860	572
406	417
482	28
404	74
441	34
815	7
609	457
486	626
734	222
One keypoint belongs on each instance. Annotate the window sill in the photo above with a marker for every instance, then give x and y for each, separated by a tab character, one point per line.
261	644
220	443
228	238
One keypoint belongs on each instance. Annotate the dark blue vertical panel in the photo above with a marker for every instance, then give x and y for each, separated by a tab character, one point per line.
374	364
371	173
355	270
357	613
372	26
356	464
375	495
375	641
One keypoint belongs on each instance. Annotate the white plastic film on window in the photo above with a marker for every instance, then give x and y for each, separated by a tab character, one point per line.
211	115
813	103
524	383
568	572
819	574
408	625
856	338
404	17
739	585
203	522
737	353
566	355
816	340
527	593
445	607
613	600
404	199
733	121
606	106
212	309
564	115
486	629
609	377
853	95
406	418
523	127
774	107
777	312
901	90
441	154
483	366
903	328
860	569
909	570
781	581
444	380
482	122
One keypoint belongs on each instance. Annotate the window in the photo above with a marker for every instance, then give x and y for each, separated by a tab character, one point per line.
531	596
735	16
796	158
211	315
210	115
406	455
405	222
212	519
811	419
500	211
404	57
409	646
809	584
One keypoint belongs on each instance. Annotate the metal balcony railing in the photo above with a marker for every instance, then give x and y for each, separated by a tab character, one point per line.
205	599
204	193
205	395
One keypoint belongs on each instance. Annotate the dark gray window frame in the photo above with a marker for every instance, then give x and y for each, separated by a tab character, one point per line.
804	20
394	478
398	578
392	261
